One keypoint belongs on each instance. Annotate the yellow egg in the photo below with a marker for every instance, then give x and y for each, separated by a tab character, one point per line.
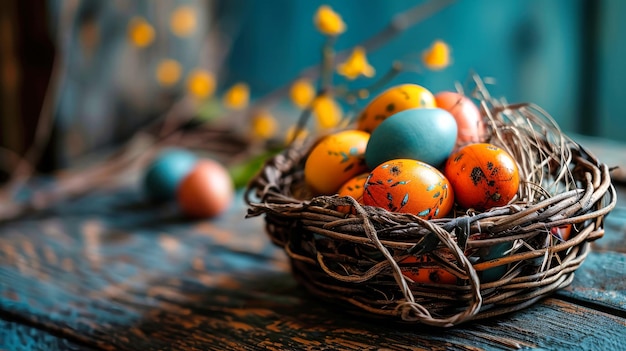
334	160
353	187
393	100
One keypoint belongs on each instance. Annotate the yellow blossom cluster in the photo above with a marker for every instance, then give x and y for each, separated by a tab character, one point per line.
321	103
199	83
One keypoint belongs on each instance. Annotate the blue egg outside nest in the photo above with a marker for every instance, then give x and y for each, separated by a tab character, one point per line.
424	134
166	172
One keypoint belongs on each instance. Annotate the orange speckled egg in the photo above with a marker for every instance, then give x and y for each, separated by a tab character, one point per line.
482	176
409	186
425	270
334	160
391	101
353	187
207	191
471	128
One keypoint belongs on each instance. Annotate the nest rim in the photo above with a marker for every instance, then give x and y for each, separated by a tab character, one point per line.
291	221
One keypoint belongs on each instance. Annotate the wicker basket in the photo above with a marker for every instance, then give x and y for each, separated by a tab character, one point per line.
358	257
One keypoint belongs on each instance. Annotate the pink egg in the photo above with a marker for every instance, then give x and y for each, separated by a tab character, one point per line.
471	128
207	191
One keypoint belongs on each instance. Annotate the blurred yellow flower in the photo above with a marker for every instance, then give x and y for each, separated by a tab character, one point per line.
437	57
327	112
264	125
328	21
302	92
201	83
356	65
183	21
168	72
140	32
363	94
237	96
291	134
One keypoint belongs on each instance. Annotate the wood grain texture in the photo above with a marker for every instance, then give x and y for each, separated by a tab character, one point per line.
614	239
115	273
601	281
16	336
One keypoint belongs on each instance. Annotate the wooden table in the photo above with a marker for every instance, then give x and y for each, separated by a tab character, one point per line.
111	272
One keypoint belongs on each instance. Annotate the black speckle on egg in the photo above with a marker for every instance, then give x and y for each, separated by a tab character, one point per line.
434	277
395	171
477	175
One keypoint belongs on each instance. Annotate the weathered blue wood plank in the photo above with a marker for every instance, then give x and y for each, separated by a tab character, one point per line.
608	289
15	336
127	276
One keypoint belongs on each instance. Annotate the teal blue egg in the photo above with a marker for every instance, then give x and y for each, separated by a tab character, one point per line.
166	172
491	253
424	134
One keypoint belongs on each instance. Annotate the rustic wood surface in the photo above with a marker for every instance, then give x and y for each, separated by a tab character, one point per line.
112	272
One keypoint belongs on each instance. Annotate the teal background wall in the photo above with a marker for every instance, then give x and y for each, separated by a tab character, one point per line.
565	55
609	92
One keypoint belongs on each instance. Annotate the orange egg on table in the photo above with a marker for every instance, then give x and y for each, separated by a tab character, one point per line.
353	187
425	270
207	191
482	176
391	101
470	126
334	160
409	186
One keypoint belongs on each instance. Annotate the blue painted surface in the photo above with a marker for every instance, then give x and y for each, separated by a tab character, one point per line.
611	111
121	274
537	51
15	336
531	48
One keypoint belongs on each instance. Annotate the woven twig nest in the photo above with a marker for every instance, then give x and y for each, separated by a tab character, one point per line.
359	257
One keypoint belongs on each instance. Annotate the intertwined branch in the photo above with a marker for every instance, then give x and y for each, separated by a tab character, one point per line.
357	257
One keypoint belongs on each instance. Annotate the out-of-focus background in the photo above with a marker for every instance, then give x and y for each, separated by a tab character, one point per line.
99	70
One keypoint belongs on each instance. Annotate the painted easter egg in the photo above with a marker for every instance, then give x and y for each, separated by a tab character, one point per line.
482	176
334	160
391	101
492	252
470	126
424	134
354	188
562	233
409	186
164	174
425	270
207	191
